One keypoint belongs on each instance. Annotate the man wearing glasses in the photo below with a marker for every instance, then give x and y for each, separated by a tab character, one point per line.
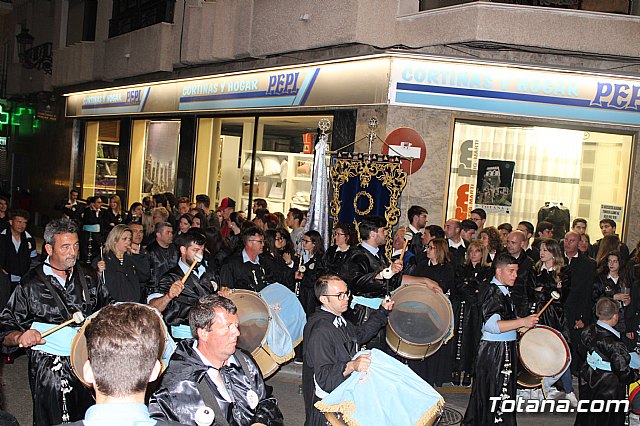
244	270
331	342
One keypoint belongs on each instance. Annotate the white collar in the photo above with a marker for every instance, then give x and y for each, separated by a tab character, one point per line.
198	271
503	288
371	249
246	258
414	229
456	245
608	327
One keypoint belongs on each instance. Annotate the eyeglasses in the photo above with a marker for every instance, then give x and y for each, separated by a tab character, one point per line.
258	241
279	239
341	296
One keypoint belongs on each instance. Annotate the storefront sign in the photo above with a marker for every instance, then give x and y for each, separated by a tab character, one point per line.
515	91
409	146
348	82
611	212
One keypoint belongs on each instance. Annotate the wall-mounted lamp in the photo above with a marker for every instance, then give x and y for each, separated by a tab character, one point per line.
25	42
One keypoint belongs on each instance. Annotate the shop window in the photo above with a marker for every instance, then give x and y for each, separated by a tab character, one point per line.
513	171
282	160
81	21
102	145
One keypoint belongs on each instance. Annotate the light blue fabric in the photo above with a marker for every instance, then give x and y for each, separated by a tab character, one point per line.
490	329
287	319
181	331
58	343
388	393
635	360
121	414
91	228
318	216
370	302
609	328
595	361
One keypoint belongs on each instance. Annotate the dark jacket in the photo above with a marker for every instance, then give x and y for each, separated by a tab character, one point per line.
17	263
178	397
161	260
360	270
236	273
578	303
177	311
125	281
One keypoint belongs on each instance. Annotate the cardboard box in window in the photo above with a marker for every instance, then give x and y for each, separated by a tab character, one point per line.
259	189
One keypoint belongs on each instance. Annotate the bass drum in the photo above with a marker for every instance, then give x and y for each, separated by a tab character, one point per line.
79	353
253	314
544	352
528	381
420	322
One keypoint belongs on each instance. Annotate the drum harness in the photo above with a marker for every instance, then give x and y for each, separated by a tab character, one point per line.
210	399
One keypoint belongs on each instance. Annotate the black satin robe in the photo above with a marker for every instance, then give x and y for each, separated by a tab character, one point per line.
327	350
177	310
606	287
161	260
553	316
606	385
335	260
467	314
178	398
313	268
31	301
491	362
125	282
238	274
280	271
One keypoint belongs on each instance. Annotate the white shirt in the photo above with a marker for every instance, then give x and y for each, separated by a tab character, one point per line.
214	374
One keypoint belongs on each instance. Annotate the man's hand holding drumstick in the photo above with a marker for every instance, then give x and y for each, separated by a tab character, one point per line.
160	303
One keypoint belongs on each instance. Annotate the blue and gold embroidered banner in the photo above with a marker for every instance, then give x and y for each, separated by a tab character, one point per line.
366	184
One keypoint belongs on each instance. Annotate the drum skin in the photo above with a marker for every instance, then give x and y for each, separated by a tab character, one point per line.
543	351
253	314
419	321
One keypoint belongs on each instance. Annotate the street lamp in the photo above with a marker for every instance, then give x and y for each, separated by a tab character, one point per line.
25	41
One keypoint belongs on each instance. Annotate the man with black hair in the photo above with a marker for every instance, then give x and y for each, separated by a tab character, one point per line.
48	295
294	222
209	371
544	230
92	221
124	342
244	270
174	298
608	227
479	217
331	342
469	229
417	221
259	204
495	371
71	207
17	247
368	273
203	202
163	253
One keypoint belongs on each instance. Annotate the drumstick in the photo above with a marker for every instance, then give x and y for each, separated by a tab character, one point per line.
77	318
407	238
554	296
196	258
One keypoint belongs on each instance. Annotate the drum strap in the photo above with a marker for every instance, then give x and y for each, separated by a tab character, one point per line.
210	399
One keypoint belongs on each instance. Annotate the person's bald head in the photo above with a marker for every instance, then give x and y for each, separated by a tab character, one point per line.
571	240
515	243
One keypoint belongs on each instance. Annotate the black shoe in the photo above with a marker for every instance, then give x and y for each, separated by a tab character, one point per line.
298	360
455	378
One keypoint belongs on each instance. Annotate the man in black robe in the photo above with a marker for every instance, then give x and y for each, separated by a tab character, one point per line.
522	291
244	270
50	294
175	298
370	276
417	216
457	246
331	342
163	254
607	372
92	220
496	370
209	371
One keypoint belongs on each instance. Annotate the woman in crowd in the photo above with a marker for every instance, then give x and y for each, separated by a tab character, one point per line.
184	223
584	244
491	240
438	267
198	219
217	249
344	238
122	274
149	229
551	275
311	267
279	257
115	215
608	243
135	213
470	280
610	282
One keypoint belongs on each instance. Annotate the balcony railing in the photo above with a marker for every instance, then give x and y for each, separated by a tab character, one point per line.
613	6
131	15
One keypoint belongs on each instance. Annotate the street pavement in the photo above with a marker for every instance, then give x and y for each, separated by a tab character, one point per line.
286	384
